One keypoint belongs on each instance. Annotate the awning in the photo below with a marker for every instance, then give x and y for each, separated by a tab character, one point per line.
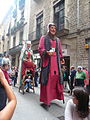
15	50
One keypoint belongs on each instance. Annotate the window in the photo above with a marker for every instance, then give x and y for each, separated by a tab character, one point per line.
59	15
22	14
3	38
14	13
3	47
21	37
21	4
39	25
15	22
87	40
8	45
14	41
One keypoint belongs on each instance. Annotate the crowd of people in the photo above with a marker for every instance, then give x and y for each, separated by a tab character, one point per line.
54	77
75	77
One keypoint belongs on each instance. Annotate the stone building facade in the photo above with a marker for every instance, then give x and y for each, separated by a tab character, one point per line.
1	41
72	18
29	19
4	32
15	30
19	28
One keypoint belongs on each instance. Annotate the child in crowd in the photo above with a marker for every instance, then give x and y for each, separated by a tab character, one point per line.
27	81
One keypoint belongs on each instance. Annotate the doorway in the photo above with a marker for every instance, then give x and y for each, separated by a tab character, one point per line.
67	62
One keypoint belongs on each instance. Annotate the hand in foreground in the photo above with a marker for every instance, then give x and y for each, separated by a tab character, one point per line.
8	111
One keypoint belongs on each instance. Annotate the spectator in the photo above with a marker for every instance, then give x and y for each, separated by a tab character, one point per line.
72	75
78	107
3	96
79	77
86	81
27	81
7	112
5	68
36	77
13	77
16	74
66	78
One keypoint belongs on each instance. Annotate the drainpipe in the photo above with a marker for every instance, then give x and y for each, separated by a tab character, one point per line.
78	5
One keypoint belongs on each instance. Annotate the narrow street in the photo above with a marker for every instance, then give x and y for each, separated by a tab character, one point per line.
28	107
47	42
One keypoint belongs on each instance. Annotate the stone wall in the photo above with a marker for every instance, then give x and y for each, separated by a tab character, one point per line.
78	13
36	8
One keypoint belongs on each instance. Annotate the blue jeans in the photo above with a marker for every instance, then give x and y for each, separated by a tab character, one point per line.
28	85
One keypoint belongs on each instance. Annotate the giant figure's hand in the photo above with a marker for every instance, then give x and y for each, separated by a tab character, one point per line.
50	53
62	61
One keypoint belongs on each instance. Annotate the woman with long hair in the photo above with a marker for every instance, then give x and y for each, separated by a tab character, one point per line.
77	108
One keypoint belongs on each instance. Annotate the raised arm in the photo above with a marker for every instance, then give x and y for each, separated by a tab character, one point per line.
7	112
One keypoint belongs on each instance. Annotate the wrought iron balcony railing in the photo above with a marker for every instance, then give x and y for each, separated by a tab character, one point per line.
21	4
18	25
62	29
14	13
13	29
63	26
3	38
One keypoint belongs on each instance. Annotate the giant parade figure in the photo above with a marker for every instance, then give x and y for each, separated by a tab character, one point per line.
51	76
26	61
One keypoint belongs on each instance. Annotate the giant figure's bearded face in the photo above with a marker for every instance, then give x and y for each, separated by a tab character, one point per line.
52	30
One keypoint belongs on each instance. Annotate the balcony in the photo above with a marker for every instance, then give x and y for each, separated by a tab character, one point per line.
14	13
21	4
63	27
13	30
8	33
20	23
18	26
3	38
37	34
